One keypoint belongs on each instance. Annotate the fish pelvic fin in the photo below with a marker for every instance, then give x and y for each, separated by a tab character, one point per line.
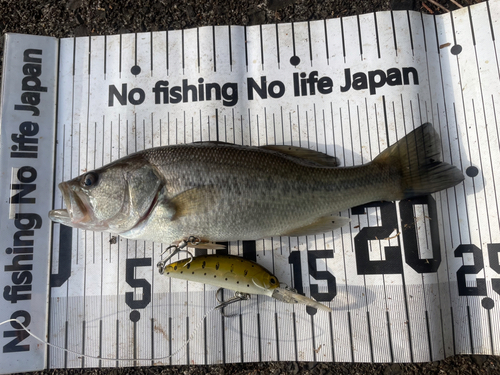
320	225
417	158
290	296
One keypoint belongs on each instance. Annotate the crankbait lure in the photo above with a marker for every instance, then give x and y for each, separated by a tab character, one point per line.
235	273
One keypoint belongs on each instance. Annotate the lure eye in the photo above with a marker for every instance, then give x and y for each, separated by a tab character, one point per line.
273	280
90	179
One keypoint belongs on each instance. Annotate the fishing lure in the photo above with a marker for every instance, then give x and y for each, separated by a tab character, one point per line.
235	273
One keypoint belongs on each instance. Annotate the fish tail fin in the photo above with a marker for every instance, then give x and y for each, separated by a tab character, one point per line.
417	157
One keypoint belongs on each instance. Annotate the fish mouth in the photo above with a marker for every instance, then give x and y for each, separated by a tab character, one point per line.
77	212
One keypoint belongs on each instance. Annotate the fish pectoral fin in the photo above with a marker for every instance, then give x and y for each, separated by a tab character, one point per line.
195	201
321	225
312	157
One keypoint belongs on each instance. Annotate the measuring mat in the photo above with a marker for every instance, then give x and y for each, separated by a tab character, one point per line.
407	281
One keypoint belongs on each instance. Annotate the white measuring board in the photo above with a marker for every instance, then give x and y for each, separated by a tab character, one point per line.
407	281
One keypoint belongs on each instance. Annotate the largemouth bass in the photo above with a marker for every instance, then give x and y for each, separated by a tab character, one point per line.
238	274
224	192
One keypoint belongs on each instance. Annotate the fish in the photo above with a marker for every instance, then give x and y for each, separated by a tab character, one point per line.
237	274
220	192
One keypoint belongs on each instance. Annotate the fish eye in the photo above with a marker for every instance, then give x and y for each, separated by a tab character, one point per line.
90	179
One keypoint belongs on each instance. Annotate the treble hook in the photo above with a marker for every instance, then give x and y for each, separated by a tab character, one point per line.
177	249
238	296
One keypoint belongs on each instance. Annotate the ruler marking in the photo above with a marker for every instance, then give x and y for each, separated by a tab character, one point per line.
486	132
278	47
465	122
135	48
316	128
429	339
182	50
151	55
370	339
214	49
282	125
403	276
483	192
198	47
66	342
394	33
259	338
152	332
242	351
389	333
437	46
349	325
120	57
230	41
377	37
261	47
326	42
313	339
359	38
166	54
83	340
332	341
310	43
78	171
187	337
411	33
295	335
265	126
472	30
307	129
298	125
343	37
469	324
246	47
490	326
276	332
105	55
386	124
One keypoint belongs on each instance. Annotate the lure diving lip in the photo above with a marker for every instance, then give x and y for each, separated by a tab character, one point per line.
237	274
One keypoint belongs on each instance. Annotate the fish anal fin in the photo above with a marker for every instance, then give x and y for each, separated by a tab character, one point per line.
310	156
321	225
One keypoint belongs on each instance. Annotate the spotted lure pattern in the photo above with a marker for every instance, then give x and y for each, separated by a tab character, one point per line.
238	274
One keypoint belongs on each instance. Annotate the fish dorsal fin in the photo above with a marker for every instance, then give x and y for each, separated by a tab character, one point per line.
194	201
305	154
214	143
321	225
